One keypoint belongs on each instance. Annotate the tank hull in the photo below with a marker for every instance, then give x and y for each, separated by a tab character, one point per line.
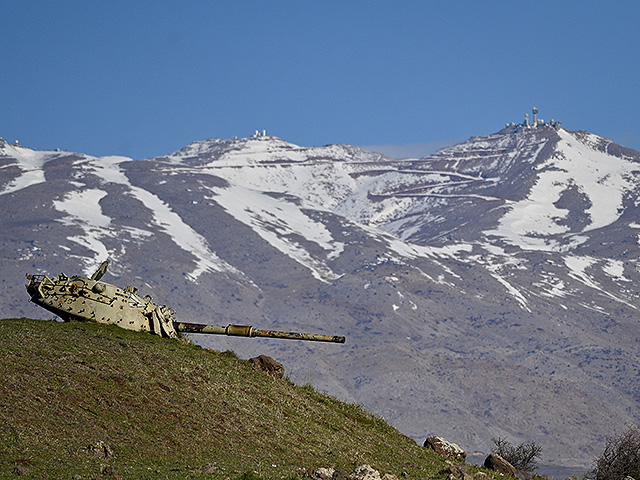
90	299
81	298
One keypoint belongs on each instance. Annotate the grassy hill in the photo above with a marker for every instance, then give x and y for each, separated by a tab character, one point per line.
169	409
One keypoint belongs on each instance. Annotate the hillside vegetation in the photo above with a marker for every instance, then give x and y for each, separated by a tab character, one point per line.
82	400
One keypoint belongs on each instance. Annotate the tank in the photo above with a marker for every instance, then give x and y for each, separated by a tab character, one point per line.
91	299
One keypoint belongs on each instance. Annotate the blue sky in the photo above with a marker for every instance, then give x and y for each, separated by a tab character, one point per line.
145	78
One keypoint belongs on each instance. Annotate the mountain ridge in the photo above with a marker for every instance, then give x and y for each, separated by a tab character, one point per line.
474	262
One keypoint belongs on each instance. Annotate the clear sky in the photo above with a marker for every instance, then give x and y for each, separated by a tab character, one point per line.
145	78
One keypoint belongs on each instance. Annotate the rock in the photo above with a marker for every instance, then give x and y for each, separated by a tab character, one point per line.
101	450
269	365
209	469
19	470
457	472
445	448
365	472
498	464
324	473
106	470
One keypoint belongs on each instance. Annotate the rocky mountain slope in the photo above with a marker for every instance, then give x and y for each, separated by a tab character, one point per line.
487	290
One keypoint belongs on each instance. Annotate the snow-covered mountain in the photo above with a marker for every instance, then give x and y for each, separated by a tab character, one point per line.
487	290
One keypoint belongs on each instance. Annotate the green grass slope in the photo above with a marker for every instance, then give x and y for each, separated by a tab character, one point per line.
168	409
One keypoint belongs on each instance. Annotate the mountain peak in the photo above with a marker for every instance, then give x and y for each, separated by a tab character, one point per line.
203	151
263	149
541	187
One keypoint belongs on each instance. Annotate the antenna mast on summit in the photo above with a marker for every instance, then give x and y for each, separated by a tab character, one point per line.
537	122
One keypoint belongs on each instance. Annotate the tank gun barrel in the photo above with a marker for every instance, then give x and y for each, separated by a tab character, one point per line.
249	331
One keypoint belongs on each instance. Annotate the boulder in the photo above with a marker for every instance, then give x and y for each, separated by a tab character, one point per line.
323	473
267	364
19	470
445	448
365	472
101	450
498	464
458	472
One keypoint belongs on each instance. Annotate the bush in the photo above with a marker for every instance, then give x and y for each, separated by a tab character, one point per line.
621	457
523	457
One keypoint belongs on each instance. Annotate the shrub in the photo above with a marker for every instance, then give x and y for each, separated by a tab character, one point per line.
620	458
523	457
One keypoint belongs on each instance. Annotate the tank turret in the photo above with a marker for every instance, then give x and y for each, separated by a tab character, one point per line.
81	298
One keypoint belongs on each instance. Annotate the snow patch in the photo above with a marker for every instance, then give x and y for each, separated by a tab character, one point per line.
603	179
513	291
30	162
578	266
164	217
281	224
412	250
552	287
83	211
615	269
